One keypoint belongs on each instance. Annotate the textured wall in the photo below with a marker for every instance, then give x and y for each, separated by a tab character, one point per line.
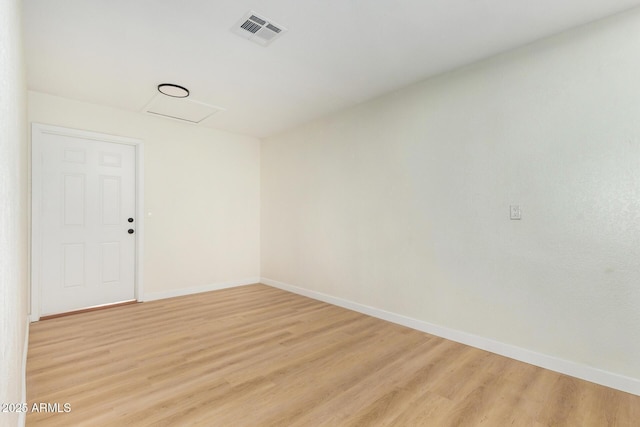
402	203
13	207
201	186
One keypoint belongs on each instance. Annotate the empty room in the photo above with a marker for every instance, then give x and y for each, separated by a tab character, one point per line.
319	213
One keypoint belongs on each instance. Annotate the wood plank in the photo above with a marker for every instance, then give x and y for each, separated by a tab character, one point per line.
259	356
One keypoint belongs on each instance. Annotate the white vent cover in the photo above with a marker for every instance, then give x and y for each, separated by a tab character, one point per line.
258	29
183	109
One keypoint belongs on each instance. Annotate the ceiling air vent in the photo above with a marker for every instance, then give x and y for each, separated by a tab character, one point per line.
258	29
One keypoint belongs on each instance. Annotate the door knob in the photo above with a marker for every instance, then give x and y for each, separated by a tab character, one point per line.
130	231
130	220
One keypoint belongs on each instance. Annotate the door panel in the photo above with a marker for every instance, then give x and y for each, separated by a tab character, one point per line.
110	192
73	264
110	262
87	193
73	194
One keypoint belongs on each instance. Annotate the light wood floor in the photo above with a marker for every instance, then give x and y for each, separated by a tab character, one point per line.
258	356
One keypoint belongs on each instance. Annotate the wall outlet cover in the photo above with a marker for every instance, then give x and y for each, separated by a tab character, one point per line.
515	212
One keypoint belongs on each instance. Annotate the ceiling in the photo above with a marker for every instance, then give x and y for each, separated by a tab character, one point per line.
336	53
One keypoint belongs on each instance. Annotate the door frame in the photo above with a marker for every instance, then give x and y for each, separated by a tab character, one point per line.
37	131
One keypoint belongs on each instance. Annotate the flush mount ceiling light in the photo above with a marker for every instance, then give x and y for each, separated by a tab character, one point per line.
172	90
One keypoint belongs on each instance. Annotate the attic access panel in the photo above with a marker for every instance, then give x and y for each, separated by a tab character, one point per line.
183	109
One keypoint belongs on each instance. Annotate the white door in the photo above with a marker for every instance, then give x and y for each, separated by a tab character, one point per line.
84	190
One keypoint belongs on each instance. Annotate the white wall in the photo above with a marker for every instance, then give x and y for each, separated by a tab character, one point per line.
13	207
202	187
402	203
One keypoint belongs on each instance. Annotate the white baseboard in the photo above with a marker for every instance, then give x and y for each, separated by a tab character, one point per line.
22	417
588	373
152	296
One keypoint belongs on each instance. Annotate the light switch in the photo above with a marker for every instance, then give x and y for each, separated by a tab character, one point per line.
515	212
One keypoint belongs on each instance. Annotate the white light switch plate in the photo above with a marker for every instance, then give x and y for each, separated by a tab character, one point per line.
515	212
